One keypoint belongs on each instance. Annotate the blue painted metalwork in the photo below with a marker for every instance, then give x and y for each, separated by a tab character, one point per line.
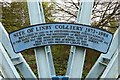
60	78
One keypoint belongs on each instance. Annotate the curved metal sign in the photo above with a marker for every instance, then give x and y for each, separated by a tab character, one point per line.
60	33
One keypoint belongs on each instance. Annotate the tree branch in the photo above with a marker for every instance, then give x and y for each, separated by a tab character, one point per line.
103	21
62	9
75	5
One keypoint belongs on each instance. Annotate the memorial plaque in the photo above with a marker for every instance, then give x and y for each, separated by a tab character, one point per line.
61	33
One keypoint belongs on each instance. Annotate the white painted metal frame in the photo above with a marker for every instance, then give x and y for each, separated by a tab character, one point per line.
77	54
105	66
7	68
43	55
17	59
1	77
113	67
108	62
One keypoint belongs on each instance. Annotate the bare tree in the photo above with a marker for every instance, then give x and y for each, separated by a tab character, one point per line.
105	13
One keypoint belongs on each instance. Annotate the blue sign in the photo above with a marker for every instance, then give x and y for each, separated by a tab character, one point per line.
60	33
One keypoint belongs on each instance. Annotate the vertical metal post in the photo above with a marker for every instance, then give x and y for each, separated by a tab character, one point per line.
77	54
43	54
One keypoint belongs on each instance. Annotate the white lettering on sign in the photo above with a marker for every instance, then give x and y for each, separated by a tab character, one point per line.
61	33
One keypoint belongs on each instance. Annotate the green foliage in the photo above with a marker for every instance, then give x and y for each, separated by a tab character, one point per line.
15	16
91	58
113	25
48	10
30	58
60	57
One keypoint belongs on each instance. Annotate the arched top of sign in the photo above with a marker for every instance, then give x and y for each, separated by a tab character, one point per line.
61	33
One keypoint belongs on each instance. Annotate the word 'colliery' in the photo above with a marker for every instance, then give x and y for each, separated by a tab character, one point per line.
61	33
